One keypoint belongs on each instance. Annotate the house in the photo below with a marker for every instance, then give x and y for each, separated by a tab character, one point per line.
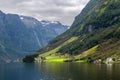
109	60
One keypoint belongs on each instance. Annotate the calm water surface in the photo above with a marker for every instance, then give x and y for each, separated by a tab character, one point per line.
59	71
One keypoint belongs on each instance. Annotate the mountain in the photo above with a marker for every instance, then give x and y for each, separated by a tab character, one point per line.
95	34
22	35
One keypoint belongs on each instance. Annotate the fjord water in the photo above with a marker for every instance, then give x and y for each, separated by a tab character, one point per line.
59	71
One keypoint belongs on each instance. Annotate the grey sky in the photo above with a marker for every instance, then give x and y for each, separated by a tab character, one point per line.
53	10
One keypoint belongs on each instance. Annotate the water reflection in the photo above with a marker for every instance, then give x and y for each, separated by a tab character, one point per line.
109	68
59	71
77	71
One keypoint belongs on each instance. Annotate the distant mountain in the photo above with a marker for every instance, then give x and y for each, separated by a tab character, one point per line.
21	35
95	34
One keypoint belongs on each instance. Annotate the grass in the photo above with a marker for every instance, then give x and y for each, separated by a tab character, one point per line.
82	61
57	48
88	52
55	59
61	59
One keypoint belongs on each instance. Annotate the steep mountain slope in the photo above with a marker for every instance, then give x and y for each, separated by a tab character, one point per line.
21	35
94	33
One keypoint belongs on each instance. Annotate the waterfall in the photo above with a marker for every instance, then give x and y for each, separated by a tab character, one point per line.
3	48
36	36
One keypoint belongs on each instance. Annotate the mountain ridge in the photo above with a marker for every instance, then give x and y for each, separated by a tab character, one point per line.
97	24
22	35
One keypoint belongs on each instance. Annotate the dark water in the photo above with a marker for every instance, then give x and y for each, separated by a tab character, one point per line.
59	71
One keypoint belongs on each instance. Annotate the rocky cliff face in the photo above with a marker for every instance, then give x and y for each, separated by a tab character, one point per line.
21	35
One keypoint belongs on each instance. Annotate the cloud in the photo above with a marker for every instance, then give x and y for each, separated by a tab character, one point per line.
55	10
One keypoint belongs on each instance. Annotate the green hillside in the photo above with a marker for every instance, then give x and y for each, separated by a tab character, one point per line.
95	34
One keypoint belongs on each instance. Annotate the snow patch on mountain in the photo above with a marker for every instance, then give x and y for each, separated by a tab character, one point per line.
21	18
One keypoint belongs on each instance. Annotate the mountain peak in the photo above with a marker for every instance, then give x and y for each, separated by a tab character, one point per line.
1	12
24	34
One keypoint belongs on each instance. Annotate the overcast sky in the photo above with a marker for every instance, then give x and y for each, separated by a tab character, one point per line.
52	10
